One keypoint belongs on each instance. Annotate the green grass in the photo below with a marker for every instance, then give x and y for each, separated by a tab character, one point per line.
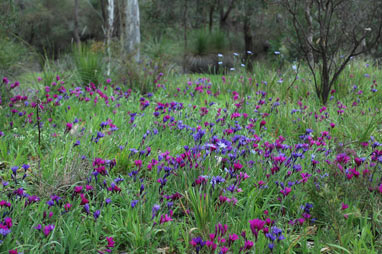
197	208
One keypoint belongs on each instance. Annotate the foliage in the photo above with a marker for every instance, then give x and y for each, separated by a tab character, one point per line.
330	33
253	159
204	42
89	64
15	57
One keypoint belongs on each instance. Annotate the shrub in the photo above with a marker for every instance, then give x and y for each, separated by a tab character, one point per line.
89	64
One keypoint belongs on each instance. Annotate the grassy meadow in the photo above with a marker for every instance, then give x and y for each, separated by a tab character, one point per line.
241	162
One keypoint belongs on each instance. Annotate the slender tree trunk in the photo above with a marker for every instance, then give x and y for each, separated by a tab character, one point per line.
75	30
103	11
309	32
185	10
211	16
109	32
132	36
225	14
325	79
248	41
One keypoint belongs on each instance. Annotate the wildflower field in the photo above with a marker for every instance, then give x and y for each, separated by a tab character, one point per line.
234	163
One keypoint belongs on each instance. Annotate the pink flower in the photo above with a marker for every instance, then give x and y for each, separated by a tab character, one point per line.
68	126
233	237
224	249
165	218
256	225
110	242
8	222
48	229
344	206
212	245
248	245
68	206
138	163
78	189
237	166
286	191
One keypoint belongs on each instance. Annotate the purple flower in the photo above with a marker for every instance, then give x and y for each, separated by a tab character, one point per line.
25	167
14	169
155	210
275	234
86	208
134	203
4	231
5	80
256	225
198	243
217	179
96	214
48	229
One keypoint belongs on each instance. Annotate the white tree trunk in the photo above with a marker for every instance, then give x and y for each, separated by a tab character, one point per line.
132	33
110	9
309	31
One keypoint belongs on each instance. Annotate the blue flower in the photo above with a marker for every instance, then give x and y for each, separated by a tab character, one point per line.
96	214
134	203
155	210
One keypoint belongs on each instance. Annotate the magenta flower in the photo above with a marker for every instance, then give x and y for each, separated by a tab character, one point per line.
224	249
211	245
286	191
69	126
248	245
233	237
165	218
262	123
256	225
138	163
110	242
237	166
68	206
78	189
5	80
48	229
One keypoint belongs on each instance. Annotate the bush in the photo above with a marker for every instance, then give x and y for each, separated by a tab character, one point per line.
14	58
204	43
89	64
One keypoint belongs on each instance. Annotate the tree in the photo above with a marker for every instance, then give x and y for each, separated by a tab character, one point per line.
132	35
333	32
75	28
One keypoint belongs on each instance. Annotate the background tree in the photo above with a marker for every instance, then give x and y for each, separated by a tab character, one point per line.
132	34
334	31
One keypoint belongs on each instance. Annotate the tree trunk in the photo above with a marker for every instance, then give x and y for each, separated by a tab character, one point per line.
132	36
211	15
325	80
309	32
225	14
75	29
185	10
103	11
109	32
248	40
